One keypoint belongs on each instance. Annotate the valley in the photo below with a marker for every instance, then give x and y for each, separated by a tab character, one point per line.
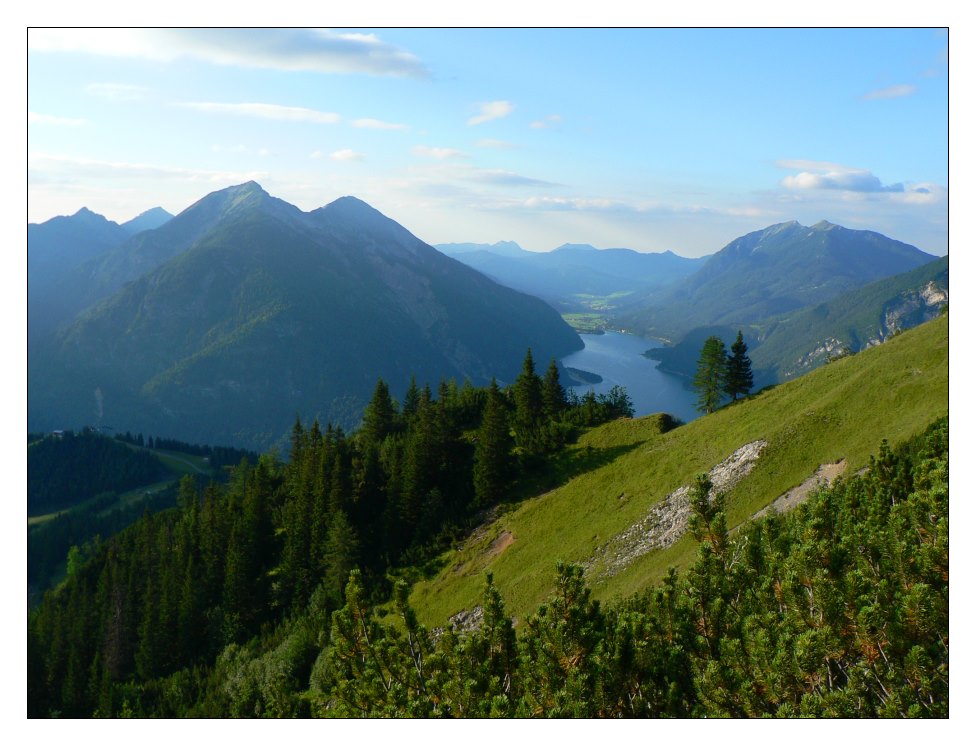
248	321
585	371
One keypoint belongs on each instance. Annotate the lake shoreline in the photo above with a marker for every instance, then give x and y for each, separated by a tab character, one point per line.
619	358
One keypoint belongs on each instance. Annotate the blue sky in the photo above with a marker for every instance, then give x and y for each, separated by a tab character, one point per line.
646	138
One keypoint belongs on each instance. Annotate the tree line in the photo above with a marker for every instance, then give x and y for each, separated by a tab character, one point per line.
217	456
66	470
837	609
178	587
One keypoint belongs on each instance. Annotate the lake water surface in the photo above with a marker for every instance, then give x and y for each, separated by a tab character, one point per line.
617	357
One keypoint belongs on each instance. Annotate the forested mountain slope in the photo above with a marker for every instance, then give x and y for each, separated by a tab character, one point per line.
785	346
231	605
773	271
242	311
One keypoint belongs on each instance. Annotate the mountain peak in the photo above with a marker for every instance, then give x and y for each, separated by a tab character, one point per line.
147	220
247	190
351	206
823	225
576	247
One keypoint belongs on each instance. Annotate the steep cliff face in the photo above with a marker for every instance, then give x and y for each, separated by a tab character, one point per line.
914	307
899	312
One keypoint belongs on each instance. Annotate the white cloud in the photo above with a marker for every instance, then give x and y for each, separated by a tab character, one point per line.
44	168
492	110
492	143
504	178
820	175
267	111
895	91
550	121
574	203
346	154
117	91
801	164
35	118
440	154
314	50
376	124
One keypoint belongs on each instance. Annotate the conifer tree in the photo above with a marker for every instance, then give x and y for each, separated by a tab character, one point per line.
379	417
411	400
528	408
553	393
738	370
341	555
710	376
491	452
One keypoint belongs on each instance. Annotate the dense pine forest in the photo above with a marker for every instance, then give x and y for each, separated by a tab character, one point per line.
72	467
837	609
283	592
237	561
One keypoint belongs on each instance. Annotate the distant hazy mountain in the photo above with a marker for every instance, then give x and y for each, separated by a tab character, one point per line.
785	346
567	276
501	248
55	251
250	311
773	271
152	218
71	240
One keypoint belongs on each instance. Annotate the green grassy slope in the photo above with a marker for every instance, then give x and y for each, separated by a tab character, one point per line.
840	411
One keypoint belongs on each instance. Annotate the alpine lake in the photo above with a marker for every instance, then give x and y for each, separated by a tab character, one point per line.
619	360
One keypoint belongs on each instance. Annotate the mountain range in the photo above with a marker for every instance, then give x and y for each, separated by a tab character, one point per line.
576	277
231	318
63	251
770	272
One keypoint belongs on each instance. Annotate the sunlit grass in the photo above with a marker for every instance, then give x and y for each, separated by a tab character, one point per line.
840	411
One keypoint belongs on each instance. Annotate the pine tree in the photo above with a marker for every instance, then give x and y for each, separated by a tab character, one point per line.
341	555
411	399
710	377
491	452
738	370
528	408
553	393
379	417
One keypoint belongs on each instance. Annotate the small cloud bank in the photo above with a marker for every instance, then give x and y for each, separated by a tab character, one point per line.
310	50
492	110
46	168
895	91
376	124
116	91
440	154
550	121
346	154
506	178
820	175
